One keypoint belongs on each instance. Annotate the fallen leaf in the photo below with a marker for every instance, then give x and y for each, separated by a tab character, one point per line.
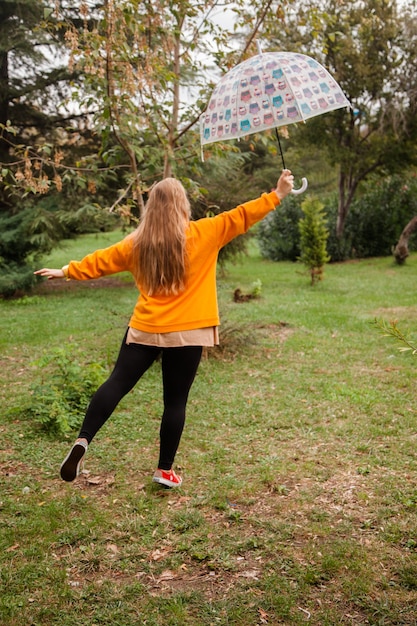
251	573
157	554
166	575
112	548
14	547
95	480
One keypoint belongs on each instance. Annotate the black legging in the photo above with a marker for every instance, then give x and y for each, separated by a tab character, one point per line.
179	367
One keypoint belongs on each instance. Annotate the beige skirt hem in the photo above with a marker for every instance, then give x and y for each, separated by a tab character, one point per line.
207	337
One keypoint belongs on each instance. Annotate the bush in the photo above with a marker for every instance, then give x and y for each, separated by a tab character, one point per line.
378	217
30	233
24	236
15	278
59	401
278	233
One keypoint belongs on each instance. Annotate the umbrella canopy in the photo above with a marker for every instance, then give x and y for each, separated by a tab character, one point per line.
269	90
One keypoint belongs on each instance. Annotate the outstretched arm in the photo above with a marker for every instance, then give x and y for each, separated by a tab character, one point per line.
103	262
230	224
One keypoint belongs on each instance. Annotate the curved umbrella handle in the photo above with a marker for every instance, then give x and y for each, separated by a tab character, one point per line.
302	188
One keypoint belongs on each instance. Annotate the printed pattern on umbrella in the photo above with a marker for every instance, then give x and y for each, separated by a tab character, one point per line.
269	90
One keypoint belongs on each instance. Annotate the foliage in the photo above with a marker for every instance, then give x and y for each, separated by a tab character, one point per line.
380	214
23	238
27	233
339	248
256	290
392	330
254	293
140	76
228	182
146	69
371	50
34	92
15	278
144	74
37	133
32	89
59	401
313	238
87	219
376	220
234	339
278	233
31	233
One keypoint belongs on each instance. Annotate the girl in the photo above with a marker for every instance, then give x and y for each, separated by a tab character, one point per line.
173	261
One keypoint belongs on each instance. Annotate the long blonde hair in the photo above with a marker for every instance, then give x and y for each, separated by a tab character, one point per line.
160	239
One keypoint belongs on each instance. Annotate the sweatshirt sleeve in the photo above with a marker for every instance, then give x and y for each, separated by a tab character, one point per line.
103	262
230	224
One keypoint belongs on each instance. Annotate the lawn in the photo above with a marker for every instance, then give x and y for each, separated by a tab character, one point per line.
299	459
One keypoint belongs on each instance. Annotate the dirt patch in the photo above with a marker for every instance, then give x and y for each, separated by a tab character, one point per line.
279	330
109	282
12	468
395	313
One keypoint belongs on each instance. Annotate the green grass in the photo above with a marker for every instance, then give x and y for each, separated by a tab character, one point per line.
299	503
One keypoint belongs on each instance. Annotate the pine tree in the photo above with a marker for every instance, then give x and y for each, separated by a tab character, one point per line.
313	238
33	86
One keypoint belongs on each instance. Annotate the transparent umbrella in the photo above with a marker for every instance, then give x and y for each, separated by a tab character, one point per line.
269	90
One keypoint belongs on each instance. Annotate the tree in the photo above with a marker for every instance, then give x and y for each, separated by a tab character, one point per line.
37	130
370	47
148	68
313	238
140	73
32	88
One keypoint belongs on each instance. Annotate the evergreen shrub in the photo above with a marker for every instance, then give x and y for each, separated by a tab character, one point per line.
314	235
24	236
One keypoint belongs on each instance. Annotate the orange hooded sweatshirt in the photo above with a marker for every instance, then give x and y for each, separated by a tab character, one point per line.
196	306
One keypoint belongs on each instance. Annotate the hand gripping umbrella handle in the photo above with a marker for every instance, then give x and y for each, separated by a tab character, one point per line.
302	188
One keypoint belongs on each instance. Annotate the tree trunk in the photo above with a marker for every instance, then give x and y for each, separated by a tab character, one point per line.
401	249
169	157
347	188
4	101
345	200
114	112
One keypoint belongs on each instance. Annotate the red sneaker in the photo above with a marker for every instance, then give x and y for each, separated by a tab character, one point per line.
167	477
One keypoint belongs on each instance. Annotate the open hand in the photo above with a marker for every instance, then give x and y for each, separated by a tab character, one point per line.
50	273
